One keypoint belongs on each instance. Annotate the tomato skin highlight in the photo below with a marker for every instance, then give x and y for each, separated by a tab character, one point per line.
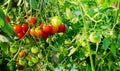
7	19
38	32
56	21
32	31
47	29
17	28
20	35
62	28
32	21
24	27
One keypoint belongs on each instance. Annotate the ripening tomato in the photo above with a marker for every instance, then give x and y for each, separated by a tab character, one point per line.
20	35
20	67
32	31
54	30
38	32
47	29
13	49
24	27
32	21
34	49
22	53
62	28
56	21
95	37
17	28
22	61
30	63
34	59
7	19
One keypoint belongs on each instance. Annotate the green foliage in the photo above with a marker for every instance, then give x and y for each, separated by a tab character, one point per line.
69	51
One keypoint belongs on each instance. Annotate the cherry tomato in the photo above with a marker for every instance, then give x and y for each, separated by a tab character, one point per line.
95	37
34	49
47	29
32	31
54	30
13	49
24	27
22	53
45	35
56	21
22	61
17	28
7	19
30	63
20	67
62	28
20	35
38	32
32	21
34	59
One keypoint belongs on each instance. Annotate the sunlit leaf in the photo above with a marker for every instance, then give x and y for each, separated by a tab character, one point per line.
106	43
33	4
113	48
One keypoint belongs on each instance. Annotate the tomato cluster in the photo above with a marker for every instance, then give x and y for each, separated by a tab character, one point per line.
43	30
27	59
20	30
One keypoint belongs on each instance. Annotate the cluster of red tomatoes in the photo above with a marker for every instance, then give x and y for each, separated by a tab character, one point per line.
43	30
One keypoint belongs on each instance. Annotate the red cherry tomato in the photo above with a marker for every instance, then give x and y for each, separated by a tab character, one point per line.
24	27
20	35
7	19
32	21
62	28
47	29
17	28
54	29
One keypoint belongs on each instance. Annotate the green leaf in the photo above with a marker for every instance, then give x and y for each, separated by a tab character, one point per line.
7	27
1	22
72	51
106	43
4	47
33	4
68	13
113	48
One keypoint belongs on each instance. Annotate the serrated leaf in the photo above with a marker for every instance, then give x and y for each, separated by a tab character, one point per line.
72	51
106	43
33	4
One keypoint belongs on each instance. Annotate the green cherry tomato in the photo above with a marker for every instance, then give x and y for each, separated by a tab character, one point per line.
13	49
34	59
30	63
56	21
34	50
95	37
22	61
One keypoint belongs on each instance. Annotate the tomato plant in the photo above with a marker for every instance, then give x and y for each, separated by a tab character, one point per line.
59	35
